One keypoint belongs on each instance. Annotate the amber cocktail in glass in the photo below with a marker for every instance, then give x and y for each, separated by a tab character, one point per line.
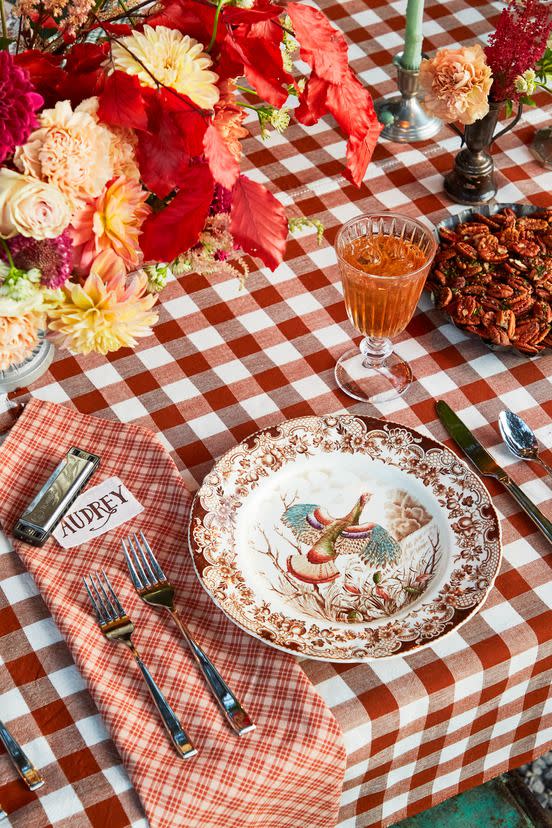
383	259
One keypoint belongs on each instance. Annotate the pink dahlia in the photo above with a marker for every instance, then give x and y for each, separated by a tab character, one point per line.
52	257
18	105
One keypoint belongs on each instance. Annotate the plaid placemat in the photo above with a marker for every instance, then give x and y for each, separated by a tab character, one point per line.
223	362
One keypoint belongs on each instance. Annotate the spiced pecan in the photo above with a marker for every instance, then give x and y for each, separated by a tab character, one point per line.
521	304
500	291
439	277
526	248
542	311
444	296
447	234
474	290
507	320
465	308
527	331
472	228
490	303
479	217
496	335
531	223
466	250
526	348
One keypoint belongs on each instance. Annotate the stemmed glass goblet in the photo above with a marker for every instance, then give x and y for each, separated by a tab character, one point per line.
384	259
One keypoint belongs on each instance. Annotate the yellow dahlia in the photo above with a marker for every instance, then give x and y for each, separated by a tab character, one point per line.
113	222
107	312
173	59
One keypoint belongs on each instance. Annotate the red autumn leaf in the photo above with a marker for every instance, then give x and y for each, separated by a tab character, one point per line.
359	152
85	76
175	134
261	11
258	222
176	228
44	72
351	105
312	101
121	102
322	47
79	87
230	63
84	57
189	17
263	65
225	169
117	29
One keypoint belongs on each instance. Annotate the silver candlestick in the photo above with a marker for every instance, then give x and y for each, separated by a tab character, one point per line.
405	120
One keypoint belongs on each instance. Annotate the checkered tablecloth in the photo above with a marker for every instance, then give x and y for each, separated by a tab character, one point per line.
224	362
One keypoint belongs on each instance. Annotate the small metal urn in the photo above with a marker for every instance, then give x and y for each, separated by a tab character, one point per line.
472	179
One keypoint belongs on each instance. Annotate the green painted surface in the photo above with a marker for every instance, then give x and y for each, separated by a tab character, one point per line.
489	806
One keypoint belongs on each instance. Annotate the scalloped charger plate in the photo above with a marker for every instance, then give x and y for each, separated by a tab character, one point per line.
344	538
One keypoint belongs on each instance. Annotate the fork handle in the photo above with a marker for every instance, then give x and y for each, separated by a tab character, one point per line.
178	737
231	708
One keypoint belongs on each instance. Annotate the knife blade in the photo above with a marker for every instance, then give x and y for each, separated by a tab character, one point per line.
488	467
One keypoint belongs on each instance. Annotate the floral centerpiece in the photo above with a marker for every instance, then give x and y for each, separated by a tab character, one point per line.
471	85
120	146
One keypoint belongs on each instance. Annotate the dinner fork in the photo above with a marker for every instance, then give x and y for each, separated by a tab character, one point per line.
117	626
154	588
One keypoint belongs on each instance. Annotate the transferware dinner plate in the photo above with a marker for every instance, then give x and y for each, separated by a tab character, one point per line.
344	538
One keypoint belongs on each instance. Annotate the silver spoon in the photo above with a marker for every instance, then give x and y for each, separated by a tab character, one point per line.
520	439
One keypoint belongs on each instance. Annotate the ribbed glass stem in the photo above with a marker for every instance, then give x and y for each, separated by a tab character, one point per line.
375	350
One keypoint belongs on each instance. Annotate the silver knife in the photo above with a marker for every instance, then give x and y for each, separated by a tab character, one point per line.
488	467
23	765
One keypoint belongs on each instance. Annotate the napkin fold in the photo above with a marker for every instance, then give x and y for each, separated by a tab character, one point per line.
288	773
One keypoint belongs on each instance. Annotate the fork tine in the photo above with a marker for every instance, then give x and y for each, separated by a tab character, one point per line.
153	578
97	610
134	577
114	596
110	609
153	560
139	566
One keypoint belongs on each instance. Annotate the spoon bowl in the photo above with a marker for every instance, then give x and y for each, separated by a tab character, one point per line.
520	438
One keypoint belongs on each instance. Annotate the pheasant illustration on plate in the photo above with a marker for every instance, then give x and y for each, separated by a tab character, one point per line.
329	537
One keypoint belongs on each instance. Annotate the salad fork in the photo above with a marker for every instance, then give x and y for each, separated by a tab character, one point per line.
154	588
117	626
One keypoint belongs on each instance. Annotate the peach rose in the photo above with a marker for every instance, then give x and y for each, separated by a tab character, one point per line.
455	84
31	207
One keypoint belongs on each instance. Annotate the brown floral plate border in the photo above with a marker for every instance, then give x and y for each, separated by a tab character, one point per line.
344	538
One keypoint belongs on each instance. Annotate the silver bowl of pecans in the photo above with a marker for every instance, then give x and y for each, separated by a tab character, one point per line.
492	275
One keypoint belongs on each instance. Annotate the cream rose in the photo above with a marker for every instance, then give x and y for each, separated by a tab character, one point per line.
31	207
455	84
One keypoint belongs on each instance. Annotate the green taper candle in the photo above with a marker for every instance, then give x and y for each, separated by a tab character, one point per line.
412	54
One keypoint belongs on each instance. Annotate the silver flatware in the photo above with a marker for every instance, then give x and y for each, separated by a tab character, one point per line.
23	765
154	588
117	626
488	467
520	438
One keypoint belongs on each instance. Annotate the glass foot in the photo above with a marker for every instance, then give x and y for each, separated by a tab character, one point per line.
374	383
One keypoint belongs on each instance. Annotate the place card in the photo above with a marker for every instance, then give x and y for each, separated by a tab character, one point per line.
96	511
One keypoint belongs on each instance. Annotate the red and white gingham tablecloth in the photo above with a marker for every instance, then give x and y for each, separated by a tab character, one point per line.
223	362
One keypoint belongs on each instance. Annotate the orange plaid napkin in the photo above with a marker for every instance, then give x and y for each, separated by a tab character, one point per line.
286	774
